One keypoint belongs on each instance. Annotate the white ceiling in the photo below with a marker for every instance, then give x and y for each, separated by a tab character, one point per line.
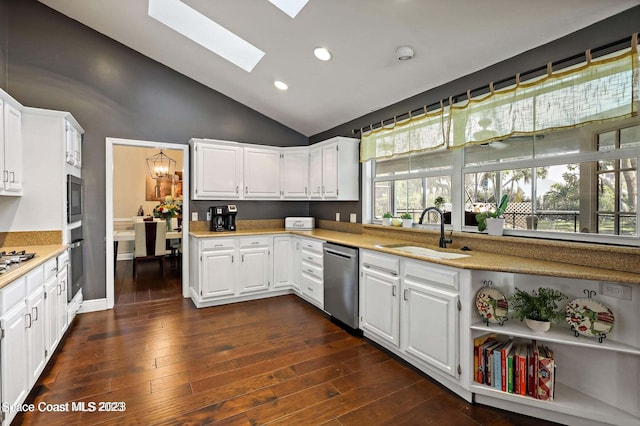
451	38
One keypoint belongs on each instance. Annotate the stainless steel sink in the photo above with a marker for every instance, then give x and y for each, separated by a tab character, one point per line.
423	251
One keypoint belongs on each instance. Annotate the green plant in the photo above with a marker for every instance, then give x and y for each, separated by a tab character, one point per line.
439	202
406	216
387	215
482	216
540	305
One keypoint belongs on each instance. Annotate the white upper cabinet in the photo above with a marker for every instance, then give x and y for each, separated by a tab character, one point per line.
225	170
11	149
73	145
261	173
217	168
295	174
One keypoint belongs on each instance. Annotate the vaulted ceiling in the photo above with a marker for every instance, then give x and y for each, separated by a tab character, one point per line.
450	39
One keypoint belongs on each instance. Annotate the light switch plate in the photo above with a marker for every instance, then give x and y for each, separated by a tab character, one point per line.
353	217
194	216
337	217
616	290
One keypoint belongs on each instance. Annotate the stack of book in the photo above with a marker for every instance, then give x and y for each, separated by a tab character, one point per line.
518	367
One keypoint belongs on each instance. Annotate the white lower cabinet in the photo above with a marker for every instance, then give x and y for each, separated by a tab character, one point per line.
14	347
35	324
379	290
282	262
430	316
255	264
312	271
219	270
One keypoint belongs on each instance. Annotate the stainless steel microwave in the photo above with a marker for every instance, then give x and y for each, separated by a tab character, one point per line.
74	199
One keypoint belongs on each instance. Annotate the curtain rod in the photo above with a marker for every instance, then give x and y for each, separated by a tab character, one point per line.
486	88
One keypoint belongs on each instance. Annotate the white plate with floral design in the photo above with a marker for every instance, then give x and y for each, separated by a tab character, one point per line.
590	318
492	305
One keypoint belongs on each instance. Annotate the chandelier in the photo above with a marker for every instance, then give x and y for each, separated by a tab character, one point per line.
161	166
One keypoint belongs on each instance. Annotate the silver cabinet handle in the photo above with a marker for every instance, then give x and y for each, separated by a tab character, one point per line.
242	257
35	308
246	189
237	188
231	258
393	290
60	288
305	190
309	288
5	176
13	177
406	295
30	322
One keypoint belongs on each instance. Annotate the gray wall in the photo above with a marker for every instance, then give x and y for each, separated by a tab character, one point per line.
57	63
599	34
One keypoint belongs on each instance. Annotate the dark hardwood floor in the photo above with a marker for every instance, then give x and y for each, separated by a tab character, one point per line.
149	283
270	361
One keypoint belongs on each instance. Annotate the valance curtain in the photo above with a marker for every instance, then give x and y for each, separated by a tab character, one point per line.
595	91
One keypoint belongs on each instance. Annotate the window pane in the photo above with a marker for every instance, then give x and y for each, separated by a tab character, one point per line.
432	161
392	167
628	225
408	197
515	148
606	141
630	137
382	199
479	194
558	203
606	192
558	143
606	224
517	185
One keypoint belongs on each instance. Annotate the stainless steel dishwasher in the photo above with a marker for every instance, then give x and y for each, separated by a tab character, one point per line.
341	283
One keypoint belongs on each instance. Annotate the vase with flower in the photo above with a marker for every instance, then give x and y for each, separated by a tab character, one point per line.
168	209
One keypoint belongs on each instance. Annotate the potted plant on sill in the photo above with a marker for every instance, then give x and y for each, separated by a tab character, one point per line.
539	308
407	220
493	221
439	203
386	218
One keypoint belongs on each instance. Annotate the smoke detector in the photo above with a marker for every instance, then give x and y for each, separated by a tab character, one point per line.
404	53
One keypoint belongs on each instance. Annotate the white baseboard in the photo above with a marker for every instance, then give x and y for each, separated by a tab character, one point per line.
93	305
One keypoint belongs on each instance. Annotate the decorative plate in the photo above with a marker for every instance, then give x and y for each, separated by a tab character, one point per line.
589	318
492	305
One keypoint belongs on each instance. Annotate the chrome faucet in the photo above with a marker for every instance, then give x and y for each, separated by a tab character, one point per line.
443	241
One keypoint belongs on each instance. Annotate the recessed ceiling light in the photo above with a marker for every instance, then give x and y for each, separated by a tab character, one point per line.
404	53
207	33
290	7
322	53
280	85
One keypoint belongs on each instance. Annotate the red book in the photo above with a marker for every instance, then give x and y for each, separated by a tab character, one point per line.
522	368
532	383
503	353
477	354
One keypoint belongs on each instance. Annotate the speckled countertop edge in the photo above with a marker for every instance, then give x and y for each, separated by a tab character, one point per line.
478	260
43	253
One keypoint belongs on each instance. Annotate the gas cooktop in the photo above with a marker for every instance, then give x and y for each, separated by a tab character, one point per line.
9	261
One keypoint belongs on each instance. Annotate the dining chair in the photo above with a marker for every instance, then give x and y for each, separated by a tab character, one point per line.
149	243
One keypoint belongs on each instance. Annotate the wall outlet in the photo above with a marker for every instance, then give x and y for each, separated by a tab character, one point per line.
353	218
194	216
619	291
208	215
337	217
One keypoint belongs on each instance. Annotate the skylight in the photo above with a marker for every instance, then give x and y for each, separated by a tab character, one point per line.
290	7
207	33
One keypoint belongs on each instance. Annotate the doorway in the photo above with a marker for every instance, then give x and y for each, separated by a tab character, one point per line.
131	190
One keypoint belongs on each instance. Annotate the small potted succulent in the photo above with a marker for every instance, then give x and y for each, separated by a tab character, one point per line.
439	203
493	221
407	220
386	218
539	308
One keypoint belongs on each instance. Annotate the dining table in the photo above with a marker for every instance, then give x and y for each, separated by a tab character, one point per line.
130	235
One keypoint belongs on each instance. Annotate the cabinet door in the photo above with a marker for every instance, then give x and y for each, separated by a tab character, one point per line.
254	269
14	359
379	305
282	259
13	149
296	263
52	336
218	172
73	145
295	174
219	274
261	173
315	173
61	299
430	325
311	285
330	170
36	334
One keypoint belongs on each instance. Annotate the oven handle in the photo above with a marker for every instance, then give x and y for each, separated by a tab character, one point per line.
76	244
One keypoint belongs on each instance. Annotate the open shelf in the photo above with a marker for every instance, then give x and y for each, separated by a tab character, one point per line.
567	401
556	334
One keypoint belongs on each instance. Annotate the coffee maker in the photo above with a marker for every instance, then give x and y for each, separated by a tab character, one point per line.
223	218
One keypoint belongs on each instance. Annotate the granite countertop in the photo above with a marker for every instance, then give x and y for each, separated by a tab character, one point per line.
478	260
43	253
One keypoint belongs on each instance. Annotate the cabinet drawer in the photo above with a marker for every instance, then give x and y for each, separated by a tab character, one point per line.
50	268
35	278
441	276
12	294
312	257
385	262
312	245
312	287
312	269
255	242
217	244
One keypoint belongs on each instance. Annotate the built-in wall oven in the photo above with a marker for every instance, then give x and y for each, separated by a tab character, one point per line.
74	199
76	277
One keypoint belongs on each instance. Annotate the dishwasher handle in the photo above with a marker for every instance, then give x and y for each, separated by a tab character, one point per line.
338	253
